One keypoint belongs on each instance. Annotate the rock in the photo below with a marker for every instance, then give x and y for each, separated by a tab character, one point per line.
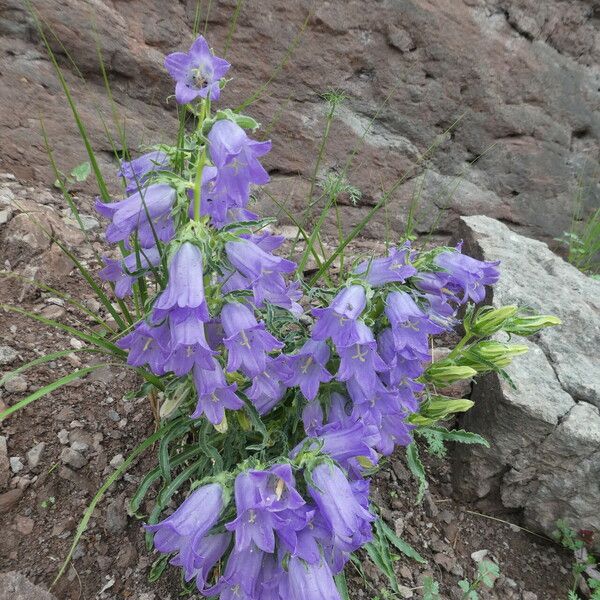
63	436
479	555
430	507
16	464
9	499
15	586
35	454
81	447
4	463
73	458
116	516
24	525
7	355
545	434
16	385
116	461
529	596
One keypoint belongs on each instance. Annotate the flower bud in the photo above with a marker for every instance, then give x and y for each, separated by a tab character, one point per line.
491	355
490	320
444	373
528	325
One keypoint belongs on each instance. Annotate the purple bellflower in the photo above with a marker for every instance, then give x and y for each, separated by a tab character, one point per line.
184	529
197	72
339	320
214	395
311	581
269	387
209	551
147	345
123	273
241	575
312	417
146	211
136	171
308	368
393	268
247	341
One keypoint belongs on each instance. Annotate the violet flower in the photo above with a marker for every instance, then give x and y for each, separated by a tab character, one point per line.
247	341
214	395
308	368
241	575
393	268
311	581
269	387
339	320
147	345
182	531
136	171
312	417
210	550
189	347
196	72
123	273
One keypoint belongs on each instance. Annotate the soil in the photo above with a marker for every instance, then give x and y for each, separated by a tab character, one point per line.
100	423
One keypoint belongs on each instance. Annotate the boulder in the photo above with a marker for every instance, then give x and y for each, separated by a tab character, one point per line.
544	429
15	586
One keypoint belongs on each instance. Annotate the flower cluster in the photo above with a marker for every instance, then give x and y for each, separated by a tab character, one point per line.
228	319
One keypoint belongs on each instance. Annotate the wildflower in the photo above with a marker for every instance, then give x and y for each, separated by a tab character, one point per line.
308	368
188	345
123	273
188	524
311	581
340	509
393	268
339	320
247	340
196	72
146	212
393	431
312	417
241	575
467	274
147	344
209	551
136	171
214	395
269	387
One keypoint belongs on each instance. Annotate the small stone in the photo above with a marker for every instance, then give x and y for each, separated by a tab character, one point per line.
24	525
35	454
9	499
16	464
116	517
117	461
4	462
113	415
5	216
7	355
63	437
399	526
405	592
529	596
16	385
479	555
431	509
79	446
77	344
73	458
53	312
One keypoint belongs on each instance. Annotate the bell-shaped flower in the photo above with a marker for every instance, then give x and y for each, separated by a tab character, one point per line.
393	268
394	431
269	386
468	274
240	579
184	529
312	417
311	581
339	320
197	72
214	395
210	550
236	157
147	211
247	341
136	171
308	368
399	367
147	344
336	501
123	273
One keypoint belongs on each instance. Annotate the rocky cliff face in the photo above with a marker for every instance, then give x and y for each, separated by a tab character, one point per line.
523	76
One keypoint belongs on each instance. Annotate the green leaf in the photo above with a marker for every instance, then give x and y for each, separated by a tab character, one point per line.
417	469
47	389
400	544
431	589
82	172
456	435
488	572
342	585
158	567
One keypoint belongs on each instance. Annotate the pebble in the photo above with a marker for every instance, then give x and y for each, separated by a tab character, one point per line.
24	525
35	454
73	458
113	415
529	596
431	510
405	592
16	385
77	344
7	355
9	499
479	555
117	461
16	464
5	216
79	446
53	312
63	437
4	462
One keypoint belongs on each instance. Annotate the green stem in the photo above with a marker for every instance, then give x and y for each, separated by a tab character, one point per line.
198	184
463	342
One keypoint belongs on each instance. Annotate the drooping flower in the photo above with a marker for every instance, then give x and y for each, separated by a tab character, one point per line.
308	368
136	171
269	386
468	274
146	212
241	575
399	367
197	72
311	581
123	273
339	320
394	267
247	340
336	501
312	417
210	550
214	395
183	530
236	157
147	344
189	347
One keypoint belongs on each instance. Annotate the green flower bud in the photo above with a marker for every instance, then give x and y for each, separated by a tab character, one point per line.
528	325
491	355
490	320
444	373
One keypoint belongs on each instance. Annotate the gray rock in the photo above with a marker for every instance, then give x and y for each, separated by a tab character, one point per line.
73	458
4	463
16	385
16	464
545	434
35	454
15	586
7	355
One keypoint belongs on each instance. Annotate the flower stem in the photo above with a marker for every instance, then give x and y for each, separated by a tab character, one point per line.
204	113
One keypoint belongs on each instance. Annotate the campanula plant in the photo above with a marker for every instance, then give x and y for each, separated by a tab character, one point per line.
277	398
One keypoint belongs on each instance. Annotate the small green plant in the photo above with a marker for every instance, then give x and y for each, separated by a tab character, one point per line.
431	589
487	573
